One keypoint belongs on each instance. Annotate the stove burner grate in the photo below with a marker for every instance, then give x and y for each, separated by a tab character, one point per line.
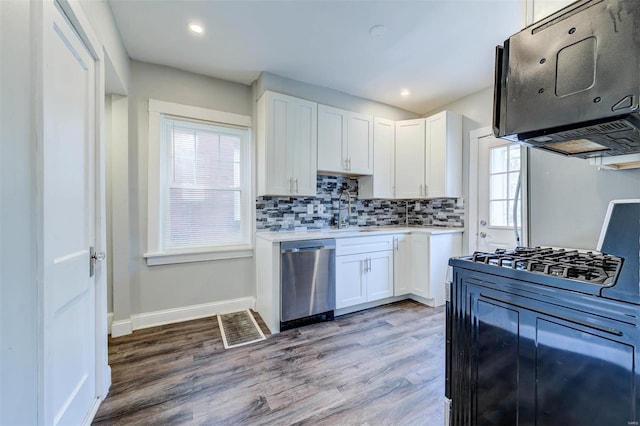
590	267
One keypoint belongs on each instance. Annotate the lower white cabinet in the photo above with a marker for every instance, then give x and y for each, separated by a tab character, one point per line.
363	277
401	264
429	261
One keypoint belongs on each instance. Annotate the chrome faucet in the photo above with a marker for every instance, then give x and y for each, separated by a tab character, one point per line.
340	222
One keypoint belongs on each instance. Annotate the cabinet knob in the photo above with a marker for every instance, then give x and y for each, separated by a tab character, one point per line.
483	235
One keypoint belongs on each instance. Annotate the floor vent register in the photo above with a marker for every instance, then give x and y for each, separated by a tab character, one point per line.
239	329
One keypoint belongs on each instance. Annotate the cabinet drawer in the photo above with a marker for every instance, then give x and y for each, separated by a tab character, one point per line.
369	244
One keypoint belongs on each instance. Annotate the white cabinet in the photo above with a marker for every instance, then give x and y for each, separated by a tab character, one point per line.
351	284
381	183
401	264
410	154
363	274
429	260
286	145
345	141
443	160
429	157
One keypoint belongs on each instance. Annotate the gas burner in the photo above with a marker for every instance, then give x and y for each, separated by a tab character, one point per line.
589	267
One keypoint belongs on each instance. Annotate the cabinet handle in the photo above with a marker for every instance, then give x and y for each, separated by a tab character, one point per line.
346	164
349	163
369	261
296	185
426	190
421	190
290	185
395	243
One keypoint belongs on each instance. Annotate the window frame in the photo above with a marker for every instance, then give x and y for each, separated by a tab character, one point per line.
156	254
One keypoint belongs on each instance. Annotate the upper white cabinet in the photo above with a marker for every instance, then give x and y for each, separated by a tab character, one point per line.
345	141
381	183
410	157
286	145
443	149
429	157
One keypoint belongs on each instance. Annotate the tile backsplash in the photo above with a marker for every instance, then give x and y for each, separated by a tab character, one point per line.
290	213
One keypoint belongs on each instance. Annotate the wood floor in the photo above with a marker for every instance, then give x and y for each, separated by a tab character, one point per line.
383	366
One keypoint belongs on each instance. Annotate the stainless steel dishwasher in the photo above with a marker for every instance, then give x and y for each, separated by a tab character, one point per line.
307	282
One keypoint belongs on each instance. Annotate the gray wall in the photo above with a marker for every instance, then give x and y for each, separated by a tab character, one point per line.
335	98
568	197
19	310
173	286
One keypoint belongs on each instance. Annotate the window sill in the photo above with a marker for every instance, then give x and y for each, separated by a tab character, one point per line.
204	255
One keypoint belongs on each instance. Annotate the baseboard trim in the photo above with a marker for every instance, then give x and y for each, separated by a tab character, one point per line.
121	328
169	316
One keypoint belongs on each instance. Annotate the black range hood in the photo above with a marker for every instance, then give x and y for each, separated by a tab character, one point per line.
570	83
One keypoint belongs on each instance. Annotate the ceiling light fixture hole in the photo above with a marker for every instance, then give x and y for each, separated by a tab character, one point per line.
377	31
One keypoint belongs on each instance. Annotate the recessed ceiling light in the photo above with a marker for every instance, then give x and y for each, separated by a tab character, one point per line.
377	31
405	92
196	28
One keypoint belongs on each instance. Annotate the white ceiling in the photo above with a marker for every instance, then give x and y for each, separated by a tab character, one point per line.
440	50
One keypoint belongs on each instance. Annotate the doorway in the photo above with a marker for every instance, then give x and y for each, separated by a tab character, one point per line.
497	193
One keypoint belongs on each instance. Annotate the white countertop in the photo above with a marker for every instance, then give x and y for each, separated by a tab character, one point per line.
315	234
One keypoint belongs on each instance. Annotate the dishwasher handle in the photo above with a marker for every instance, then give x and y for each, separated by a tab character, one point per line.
301	249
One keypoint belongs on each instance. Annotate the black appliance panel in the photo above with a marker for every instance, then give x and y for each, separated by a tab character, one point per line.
570	83
531	353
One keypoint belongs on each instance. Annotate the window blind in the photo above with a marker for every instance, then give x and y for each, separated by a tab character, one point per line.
204	195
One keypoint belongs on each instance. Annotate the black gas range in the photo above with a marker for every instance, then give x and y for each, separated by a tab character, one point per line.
545	335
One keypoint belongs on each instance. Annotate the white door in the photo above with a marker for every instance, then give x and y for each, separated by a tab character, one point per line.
384	158
420	265
380	275
498	194
68	195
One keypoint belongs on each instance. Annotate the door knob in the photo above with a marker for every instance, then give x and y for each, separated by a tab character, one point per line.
483	223
483	235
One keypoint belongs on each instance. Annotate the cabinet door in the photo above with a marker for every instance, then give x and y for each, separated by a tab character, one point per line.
420	265
303	150
332	139
380	275
401	265
410	158
444	155
442	247
436	155
275	175
351	286
382	183
360	144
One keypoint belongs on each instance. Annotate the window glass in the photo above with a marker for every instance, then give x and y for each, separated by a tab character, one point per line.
504	170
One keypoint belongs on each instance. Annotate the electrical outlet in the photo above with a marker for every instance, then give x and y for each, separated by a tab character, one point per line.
417	206
320	208
309	208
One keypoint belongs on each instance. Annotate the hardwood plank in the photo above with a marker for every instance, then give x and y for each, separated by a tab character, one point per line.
380	366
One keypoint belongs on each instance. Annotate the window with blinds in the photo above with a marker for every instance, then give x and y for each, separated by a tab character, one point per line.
204	185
